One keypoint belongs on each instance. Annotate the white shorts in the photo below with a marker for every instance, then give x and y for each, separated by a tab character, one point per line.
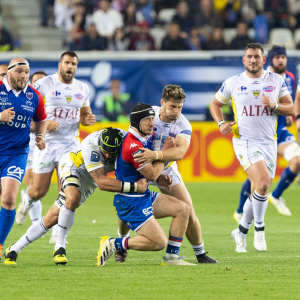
67	169
249	153
173	172
44	161
29	164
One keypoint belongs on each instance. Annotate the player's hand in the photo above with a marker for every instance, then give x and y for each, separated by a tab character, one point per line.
40	143
288	121
52	125
90	119
169	143
267	101
146	156
142	186
226	127
165	181
7	115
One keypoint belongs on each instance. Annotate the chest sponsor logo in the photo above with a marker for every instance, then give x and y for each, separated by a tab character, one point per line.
256	93
65	113
3	93
15	171
257	110
56	93
28	102
69	98
29	96
133	145
3	99
18	121
95	156
269	89
242	88
79	96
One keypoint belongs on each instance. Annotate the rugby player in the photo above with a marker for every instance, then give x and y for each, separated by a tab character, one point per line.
80	172
3	71
258	96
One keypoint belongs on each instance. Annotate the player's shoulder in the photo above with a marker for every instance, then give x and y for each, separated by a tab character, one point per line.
233	79
184	123
131	144
44	82
31	89
155	108
81	85
87	149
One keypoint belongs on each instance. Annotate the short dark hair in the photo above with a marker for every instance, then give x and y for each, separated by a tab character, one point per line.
69	53
173	91
254	46
40	72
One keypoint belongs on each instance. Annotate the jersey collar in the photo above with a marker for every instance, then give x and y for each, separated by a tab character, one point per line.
137	135
9	88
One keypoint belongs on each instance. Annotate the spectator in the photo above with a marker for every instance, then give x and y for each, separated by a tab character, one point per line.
119	41
44	11
216	42
194	5
194	41
145	12
248	11
129	16
62	9
6	43
173	41
242	39
142	40
92	41
206	19
277	13
119	5
184	19
107	19
117	105
229	11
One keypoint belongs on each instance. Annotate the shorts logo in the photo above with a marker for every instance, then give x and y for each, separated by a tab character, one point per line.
69	98
269	88
95	156
62	166
133	145
15	171
241	157
79	96
256	154
29	96
44	165
256	93
148	211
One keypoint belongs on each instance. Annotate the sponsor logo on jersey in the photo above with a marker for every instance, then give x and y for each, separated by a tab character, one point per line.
133	145
269	88
15	171
3	93
242	88
56	93
62	166
256	93
79	96
154	129
68	88
29	95
255	82
69	98
137	152
284	85
186	132
28	102
222	87
36	86
95	157
3	99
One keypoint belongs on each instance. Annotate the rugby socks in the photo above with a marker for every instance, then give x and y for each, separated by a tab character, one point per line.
34	232
27	199
198	249
7	218
35	211
123	235
247	218
174	244
286	179
121	243
66	220
54	230
245	193
260	204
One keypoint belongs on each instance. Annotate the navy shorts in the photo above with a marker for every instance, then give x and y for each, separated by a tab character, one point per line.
284	137
13	166
135	211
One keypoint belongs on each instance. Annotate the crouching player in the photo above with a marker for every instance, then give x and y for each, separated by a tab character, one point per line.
139	212
80	174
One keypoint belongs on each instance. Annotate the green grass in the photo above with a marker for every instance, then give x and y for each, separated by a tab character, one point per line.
274	274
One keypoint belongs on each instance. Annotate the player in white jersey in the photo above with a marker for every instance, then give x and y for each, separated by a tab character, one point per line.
80	173
257	98
67	105
168	119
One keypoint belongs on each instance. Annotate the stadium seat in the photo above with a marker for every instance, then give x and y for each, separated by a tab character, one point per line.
297	36
158	35
251	33
229	34
282	36
166	15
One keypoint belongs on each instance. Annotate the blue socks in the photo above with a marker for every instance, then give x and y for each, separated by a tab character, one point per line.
7	218
122	243
245	193
286	179
174	245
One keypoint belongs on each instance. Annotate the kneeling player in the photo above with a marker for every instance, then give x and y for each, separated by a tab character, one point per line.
80	173
139	212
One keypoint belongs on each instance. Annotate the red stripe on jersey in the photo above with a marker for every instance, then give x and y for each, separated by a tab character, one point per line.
293	77
40	110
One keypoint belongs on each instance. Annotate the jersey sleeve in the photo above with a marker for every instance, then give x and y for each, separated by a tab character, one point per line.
185	130
40	112
283	88
224	93
91	157
40	84
87	95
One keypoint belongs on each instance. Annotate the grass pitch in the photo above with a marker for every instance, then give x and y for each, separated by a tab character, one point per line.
274	274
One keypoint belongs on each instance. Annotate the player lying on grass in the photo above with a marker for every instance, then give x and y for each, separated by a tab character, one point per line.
139	212
80	174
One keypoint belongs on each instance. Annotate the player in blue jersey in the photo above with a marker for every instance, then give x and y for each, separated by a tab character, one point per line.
3	71
19	103
139	212
286	144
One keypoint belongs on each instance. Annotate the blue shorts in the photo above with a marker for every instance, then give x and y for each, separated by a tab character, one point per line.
13	166
135	211
284	136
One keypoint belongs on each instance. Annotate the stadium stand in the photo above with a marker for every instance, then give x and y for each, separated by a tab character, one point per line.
282	36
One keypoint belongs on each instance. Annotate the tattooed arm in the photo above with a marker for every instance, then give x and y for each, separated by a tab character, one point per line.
105	183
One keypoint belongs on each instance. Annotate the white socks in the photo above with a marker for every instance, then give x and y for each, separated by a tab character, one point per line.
198	249
54	230
27	199
35	212
35	231
260	204
66	220
123	236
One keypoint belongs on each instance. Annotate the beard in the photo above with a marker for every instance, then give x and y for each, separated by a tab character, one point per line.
279	69
15	85
254	71
64	76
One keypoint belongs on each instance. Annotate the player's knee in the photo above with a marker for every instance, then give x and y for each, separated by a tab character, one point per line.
262	187
72	202
295	164
37	192
184	210
161	242
8	202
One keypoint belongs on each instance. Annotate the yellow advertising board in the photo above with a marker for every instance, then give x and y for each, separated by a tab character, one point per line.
210	156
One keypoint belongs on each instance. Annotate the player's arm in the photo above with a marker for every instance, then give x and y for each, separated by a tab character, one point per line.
285	106
111	184
87	118
151	171
297	109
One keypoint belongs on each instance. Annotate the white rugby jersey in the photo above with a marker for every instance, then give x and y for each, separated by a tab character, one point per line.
254	121
63	103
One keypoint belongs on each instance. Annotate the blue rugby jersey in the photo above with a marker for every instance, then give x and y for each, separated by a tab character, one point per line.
28	104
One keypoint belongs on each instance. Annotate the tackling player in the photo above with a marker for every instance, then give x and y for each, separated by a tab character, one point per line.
286	144
257	97
80	172
139	212
19	103
168	119
3	71
67	104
